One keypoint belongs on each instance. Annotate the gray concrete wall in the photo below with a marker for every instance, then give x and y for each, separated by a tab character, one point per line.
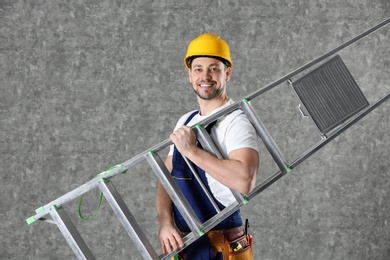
86	85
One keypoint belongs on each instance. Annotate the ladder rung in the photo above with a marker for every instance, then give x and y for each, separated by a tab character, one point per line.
127	219
265	137
69	231
209	146
175	193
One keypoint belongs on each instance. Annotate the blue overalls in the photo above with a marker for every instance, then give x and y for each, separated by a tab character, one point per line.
194	193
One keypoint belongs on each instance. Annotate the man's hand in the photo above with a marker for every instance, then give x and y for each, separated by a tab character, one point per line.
170	239
237	172
184	139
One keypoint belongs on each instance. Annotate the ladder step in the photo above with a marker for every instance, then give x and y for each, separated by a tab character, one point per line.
127	219
175	193
69	231
265	136
209	146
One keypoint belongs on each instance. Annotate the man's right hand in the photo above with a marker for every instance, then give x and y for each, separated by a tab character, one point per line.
170	239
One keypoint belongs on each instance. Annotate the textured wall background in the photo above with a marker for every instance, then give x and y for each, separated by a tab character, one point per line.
89	84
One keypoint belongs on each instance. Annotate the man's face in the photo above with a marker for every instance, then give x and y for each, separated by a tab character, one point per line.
208	77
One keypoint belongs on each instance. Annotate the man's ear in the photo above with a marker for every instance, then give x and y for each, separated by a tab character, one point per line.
189	76
228	73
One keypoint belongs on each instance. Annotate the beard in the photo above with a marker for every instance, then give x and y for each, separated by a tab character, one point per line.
211	96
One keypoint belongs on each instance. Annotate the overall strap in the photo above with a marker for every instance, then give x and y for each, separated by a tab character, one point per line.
208	128
191	116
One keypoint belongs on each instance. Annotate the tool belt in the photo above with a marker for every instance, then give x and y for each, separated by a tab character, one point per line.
233	243
227	244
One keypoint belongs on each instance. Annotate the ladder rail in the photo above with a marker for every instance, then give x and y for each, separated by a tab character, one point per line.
74	194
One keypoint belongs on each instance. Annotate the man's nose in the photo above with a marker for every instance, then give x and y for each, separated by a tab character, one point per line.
206	75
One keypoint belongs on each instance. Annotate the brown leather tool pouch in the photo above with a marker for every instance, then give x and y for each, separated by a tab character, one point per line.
234	243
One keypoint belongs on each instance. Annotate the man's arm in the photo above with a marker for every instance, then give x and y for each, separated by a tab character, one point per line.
238	172
169	237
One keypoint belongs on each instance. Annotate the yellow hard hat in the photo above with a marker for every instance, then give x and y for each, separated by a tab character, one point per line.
208	45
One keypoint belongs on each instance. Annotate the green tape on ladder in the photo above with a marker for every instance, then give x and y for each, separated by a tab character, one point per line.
152	153
112	169
201	231
246	101
56	208
39	210
199	127
245	200
31	220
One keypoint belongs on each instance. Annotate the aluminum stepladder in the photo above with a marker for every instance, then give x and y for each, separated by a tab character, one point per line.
329	128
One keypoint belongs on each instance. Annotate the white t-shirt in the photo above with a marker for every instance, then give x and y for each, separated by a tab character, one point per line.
231	132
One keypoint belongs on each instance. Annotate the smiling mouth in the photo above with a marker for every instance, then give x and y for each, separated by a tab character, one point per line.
208	90
206	85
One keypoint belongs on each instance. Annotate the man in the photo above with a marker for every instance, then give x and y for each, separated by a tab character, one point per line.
209	69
